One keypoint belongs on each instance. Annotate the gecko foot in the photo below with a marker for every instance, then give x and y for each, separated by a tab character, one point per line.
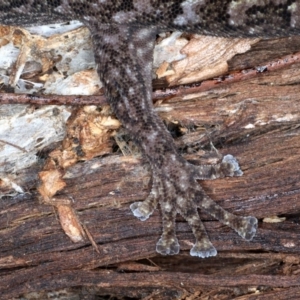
175	188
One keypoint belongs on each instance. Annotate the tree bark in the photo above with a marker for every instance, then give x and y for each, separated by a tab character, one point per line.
255	119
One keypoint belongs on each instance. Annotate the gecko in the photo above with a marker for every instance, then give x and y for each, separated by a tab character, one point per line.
123	34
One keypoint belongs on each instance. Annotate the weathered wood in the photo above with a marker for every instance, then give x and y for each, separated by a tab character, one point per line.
257	120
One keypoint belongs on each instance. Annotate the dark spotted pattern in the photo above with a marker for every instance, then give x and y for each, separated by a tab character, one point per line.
123	32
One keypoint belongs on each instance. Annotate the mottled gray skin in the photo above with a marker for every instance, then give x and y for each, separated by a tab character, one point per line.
123	33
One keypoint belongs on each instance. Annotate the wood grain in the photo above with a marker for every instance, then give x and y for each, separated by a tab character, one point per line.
257	120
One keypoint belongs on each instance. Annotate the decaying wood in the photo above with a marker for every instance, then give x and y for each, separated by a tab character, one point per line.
257	120
9	98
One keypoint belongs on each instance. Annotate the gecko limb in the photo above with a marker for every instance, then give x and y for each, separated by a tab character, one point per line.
182	194
124	57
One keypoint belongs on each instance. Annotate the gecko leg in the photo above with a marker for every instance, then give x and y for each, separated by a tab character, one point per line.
124	58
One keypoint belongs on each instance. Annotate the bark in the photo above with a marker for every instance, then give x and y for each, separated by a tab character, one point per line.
257	120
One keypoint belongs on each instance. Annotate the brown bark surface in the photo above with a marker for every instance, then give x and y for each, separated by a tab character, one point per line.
257	120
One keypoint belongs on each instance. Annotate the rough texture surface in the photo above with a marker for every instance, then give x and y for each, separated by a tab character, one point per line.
254	118
123	35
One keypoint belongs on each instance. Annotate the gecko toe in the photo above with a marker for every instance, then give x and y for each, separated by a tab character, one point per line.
168	246
139	211
248	228
232	165
203	250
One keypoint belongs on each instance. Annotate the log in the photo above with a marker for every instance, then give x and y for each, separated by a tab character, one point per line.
254	118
